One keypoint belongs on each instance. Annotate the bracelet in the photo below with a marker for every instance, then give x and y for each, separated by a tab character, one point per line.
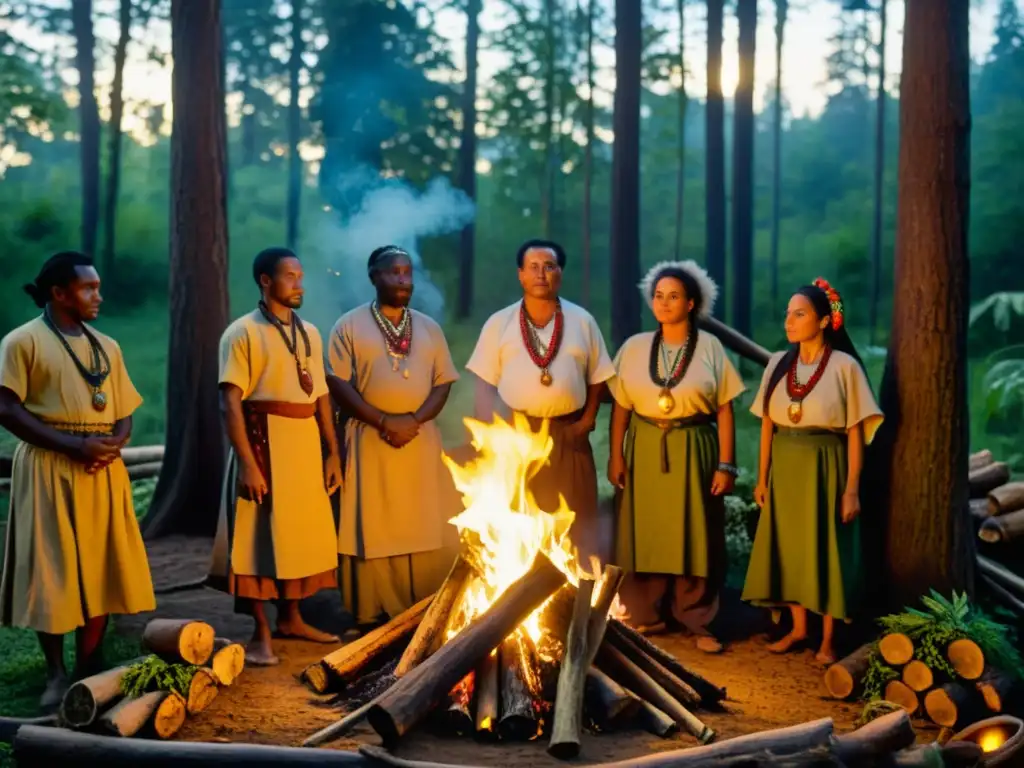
729	469
380	424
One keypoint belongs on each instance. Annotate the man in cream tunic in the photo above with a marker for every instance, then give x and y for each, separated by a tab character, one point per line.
545	357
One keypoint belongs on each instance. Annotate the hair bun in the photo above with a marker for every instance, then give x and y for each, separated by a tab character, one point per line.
35	293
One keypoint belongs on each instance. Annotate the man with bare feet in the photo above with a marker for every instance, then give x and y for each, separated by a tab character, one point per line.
276	535
74	553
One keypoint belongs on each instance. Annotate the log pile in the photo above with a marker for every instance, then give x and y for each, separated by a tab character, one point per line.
495	681
997	500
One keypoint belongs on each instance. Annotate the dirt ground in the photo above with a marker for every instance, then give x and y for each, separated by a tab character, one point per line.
270	706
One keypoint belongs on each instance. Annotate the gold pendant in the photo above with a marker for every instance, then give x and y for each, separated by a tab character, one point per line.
405	373
99	401
394	364
665	401
545	378
795	412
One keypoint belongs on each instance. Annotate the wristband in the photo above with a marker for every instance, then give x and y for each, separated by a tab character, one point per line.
729	469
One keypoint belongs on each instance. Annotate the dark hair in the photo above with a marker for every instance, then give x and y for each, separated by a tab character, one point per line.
550	245
839	340
382	254
690	285
57	272
266	262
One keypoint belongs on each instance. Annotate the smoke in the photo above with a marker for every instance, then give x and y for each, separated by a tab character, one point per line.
387	212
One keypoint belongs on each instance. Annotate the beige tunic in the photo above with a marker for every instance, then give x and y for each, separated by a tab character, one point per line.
841	399
295	538
502	360
710	382
73	550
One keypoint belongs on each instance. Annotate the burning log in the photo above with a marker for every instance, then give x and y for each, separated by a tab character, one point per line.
518	721
1008	527
597	625
228	661
342	665
656	721
988	478
900	693
607	702
179	640
430	632
84	700
1006	498
979	460
565	731
949	704
419	691
883	735
844	677
458	719
675	687
995	687
966	658
621	668
163	712
201	691
487	697
896	648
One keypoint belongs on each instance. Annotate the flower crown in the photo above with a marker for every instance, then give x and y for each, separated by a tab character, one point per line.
708	289
835	302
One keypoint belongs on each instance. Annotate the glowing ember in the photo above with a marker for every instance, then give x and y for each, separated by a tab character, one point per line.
991	739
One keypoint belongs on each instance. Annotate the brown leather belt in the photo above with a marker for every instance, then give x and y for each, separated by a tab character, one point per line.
279	408
669	425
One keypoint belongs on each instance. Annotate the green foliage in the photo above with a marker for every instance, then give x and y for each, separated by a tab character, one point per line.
155	674
876	677
875	709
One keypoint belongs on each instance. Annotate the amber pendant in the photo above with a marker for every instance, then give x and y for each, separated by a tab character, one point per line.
306	381
545	378
665	401
99	401
795	412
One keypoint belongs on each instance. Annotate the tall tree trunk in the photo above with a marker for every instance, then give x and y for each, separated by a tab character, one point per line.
781	12
625	224
924	388
188	491
294	127
467	158
681	159
876	223
743	171
89	121
547	188
248	124
116	112
588	159
714	163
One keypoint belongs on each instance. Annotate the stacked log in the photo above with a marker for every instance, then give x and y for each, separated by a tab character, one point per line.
997	501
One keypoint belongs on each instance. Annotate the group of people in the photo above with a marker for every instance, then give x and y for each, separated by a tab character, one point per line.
74	553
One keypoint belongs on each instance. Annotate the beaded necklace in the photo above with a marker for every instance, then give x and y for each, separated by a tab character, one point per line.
305	377
397	338
100	370
540	356
673	373
797	391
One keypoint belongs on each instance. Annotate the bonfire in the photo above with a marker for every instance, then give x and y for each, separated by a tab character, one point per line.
520	641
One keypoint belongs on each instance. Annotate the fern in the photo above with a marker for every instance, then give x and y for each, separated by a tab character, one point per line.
876	677
155	674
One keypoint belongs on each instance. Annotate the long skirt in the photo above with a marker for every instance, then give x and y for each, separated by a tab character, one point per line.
803	553
670	529
74	551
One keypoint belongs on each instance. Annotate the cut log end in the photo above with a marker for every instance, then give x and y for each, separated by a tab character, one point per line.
316	678
947	704
995	687
966	658
844	677
902	694
183	640
201	691
918	676
896	648
227	663
170	716
1006	498
988	478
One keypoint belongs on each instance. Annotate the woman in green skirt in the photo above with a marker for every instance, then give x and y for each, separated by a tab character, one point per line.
671	463
817	413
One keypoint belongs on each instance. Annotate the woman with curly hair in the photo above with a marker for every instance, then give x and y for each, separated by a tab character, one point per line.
672	465
814	428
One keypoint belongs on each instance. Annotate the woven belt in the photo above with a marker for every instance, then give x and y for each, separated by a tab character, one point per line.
670	425
81	428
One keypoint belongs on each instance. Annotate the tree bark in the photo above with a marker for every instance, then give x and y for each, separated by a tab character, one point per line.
743	171
89	121
781	12
714	162
625	214
876	222
588	161
924	388
188	492
294	127
547	175
114	160
467	158
681	146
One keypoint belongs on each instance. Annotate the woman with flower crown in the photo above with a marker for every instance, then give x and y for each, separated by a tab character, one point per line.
672	465
817	413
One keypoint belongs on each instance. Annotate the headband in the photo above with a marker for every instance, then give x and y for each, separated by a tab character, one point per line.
835	302
708	289
390	250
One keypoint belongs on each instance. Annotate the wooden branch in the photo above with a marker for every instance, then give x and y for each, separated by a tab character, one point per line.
611	581
430	632
896	648
656	721
568	720
879	737
228	661
988	478
344	664
844	678
900	693
458	718
1007	598
607	702
519	717
201	691
179	640
1005	528
422	689
979	460
1006	498
918	676
736	341
86	698
163	713
1002	575
995	687
675	687
949	704
487	712
966	658
340	728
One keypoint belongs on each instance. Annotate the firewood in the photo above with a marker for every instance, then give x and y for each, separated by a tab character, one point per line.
979	510
340	666
966	658
86	698
430	633
896	648
1003	595
1004	528
995	687
458	720
949	704
622	669
179	640
656	721
519	717
340	728
163	713
979	460
228	661
487	697
710	694
1000	573
675	687
608	703
568	721
844	677
900	693
201	691
988	478
1006	498
611	581
918	676
879	737
419	691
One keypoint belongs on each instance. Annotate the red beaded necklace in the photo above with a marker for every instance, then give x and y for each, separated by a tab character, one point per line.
533	344
797	391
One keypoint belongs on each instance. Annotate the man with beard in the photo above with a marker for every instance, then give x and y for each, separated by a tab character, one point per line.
390	372
275	537
74	552
545	358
